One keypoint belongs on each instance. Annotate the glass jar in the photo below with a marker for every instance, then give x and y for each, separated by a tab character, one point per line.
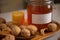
18	17
39	13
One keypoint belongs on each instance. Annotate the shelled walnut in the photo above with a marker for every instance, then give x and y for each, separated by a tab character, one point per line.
42	31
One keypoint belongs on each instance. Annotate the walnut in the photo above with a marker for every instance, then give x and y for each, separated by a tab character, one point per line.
42	31
2	20
25	33
52	27
10	23
15	30
23	26
9	37
7	29
2	26
32	28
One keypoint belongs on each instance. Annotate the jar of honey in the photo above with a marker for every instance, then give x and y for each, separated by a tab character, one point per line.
18	17
39	13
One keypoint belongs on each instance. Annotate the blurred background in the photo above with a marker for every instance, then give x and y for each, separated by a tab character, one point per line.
12	5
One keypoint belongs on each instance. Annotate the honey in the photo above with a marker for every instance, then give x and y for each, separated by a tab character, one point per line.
39	14
18	17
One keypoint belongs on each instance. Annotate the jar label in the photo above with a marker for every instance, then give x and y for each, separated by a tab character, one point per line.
41	18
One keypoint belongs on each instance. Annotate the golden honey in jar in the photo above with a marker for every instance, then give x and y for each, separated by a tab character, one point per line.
39	13
18	17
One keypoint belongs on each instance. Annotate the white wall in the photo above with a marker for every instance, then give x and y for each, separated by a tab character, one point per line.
56	13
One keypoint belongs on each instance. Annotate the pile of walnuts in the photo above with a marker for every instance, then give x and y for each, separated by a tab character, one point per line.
16	30
22	30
